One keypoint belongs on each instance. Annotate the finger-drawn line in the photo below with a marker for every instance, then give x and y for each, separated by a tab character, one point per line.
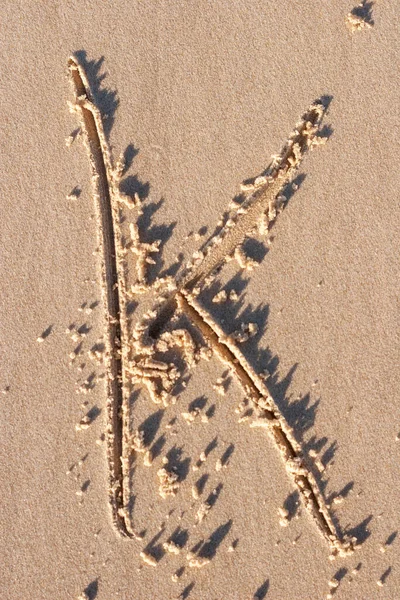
270	418
104	182
263	199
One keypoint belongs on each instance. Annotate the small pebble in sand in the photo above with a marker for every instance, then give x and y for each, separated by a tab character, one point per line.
83	424
284	514
205	353
45	334
283	522
244	261
202	459
218	465
148	458
74	195
382	580
241	407
138	444
191	415
338	499
219	387
203	511
171	547
261	422
95	355
169	484
243	418
359	18
148	559
321	467
263	224
245	333
220	298
198	563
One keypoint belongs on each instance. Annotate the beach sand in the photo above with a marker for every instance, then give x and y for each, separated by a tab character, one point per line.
199	96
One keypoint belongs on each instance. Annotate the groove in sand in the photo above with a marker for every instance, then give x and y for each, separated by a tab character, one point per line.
241	222
277	426
112	278
215	253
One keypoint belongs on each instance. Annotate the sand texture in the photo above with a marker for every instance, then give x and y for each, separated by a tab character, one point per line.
200	315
